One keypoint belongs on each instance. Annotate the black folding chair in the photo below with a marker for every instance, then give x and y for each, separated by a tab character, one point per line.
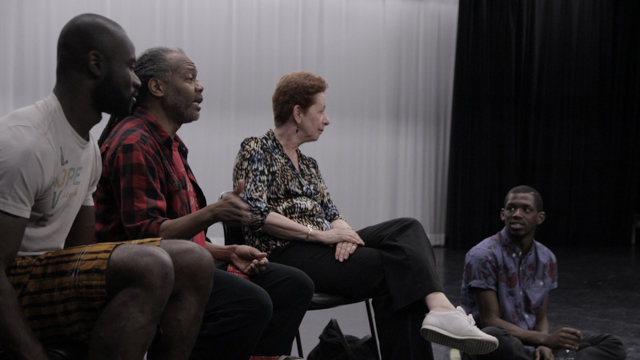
233	236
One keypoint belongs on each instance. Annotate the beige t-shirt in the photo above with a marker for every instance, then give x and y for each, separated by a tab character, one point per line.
47	172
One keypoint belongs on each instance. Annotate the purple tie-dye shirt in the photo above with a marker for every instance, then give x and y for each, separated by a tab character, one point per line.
522	283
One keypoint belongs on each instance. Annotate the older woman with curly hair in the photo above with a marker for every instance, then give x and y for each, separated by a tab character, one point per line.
297	224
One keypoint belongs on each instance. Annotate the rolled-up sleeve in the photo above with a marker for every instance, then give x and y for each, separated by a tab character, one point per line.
480	270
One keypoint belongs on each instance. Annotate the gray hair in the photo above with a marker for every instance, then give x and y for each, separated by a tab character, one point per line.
153	63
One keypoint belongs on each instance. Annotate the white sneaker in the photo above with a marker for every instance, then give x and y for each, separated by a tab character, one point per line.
457	330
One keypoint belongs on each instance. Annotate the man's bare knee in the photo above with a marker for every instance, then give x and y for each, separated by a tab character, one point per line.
193	264
144	266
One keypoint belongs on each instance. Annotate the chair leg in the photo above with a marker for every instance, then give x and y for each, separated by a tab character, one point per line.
372	327
299	344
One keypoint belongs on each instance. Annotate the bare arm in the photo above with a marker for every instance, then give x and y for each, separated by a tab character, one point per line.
565	337
17	337
284	228
83	230
245	258
542	322
489	310
230	209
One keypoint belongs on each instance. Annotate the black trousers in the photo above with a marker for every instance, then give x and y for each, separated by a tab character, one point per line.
396	268
590	347
257	317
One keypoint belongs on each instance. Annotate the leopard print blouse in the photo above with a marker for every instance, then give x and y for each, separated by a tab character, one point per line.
272	183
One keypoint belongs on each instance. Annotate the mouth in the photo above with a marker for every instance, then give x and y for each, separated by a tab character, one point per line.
197	102
516	225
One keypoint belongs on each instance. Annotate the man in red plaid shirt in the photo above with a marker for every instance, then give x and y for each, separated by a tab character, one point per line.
147	189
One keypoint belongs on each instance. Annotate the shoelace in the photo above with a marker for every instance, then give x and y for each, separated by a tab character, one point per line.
469	316
471	320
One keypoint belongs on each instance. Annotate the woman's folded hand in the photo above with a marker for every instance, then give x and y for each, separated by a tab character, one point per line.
335	236
344	249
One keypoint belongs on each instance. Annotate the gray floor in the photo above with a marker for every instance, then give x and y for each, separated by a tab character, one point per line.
599	291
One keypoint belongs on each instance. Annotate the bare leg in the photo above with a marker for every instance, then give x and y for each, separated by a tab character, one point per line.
438	301
139	282
182	315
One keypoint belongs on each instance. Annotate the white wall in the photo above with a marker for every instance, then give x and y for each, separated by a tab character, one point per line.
389	65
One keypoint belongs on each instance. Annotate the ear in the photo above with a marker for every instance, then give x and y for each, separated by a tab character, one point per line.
97	64
297	114
502	214
541	216
156	87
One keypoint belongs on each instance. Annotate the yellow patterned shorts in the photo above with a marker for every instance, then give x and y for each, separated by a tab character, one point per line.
62	292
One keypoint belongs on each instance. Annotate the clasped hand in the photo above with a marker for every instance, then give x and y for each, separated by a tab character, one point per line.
249	260
346	241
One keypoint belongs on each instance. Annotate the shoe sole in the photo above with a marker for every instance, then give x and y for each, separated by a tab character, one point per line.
467	344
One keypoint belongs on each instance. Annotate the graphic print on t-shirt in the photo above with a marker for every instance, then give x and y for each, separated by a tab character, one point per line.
64	186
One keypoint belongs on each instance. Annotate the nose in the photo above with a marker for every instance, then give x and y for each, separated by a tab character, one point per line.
326	120
136	81
199	87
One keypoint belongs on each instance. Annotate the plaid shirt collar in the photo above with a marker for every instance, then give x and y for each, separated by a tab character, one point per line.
161	136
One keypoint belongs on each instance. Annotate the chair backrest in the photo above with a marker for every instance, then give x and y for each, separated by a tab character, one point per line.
232	234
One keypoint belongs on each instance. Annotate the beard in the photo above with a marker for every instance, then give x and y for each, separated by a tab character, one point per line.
179	107
110	98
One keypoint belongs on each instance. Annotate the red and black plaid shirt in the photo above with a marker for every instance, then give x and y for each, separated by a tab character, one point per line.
140	186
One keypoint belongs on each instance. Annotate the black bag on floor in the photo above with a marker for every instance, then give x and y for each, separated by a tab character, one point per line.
336	346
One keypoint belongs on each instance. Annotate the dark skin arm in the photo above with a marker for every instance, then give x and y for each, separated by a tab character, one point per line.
83	230
17	337
542	325
231	210
489	310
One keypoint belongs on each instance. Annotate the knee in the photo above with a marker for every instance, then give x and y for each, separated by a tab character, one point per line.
148	268
193	265
299	291
609	343
256	305
302	284
410	223
500	333
262	304
509	347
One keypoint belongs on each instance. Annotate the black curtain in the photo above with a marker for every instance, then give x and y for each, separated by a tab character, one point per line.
546	93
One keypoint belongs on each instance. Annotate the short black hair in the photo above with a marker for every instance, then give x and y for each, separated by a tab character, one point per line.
83	34
524	189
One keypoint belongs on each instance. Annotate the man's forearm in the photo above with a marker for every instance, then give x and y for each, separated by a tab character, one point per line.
221	252
188	226
17	337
